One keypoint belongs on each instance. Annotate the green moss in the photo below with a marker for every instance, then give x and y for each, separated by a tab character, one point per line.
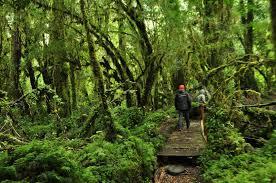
129	117
40	161
257	166
131	158
227	158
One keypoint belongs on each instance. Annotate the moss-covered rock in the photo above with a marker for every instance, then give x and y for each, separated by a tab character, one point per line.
256	124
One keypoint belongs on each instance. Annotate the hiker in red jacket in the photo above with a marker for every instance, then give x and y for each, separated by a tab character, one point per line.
183	104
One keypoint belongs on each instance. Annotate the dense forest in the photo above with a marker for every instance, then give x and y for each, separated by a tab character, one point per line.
86	84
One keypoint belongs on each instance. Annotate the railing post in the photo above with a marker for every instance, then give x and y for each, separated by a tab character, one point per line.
202	124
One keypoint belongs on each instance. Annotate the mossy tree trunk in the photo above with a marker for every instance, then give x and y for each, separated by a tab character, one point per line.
151	61
60	67
209	29
27	45
215	15
122	48
15	91
273	23
248	80
3	66
46	73
73	86
97	73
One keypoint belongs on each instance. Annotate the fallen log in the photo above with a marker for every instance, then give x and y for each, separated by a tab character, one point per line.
11	139
258	105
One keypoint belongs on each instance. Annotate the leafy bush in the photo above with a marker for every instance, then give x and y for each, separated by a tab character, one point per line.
170	112
41	131
129	161
44	128
255	124
148	130
227	159
131	158
156	117
258	166
222	136
40	161
129	117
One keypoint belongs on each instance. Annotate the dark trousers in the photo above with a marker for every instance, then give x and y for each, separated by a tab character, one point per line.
187	118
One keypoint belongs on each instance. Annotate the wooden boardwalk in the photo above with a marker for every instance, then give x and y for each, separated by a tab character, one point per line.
184	143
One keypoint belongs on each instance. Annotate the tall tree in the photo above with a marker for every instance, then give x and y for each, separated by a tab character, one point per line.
122	47
209	29
134	12
60	67
27	45
73	86
3	52
15	90
273	23
248	81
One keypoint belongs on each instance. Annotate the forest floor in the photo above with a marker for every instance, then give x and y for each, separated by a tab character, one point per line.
181	150
191	173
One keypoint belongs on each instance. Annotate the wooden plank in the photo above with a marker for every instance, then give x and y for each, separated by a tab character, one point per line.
185	143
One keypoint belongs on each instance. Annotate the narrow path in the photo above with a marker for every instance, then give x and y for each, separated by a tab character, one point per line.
180	154
185	143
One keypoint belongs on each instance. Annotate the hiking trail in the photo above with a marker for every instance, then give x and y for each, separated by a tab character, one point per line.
178	157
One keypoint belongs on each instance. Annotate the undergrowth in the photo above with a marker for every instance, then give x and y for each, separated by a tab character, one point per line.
52	158
229	159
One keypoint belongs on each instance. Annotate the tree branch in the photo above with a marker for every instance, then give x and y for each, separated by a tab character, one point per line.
258	105
238	61
103	38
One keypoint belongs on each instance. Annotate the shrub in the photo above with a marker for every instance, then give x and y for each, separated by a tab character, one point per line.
129	117
226	160
129	161
223	138
148	130
256	124
131	158
44	128
40	161
258	166
41	131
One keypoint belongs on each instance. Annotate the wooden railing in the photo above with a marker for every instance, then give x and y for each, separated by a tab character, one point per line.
203	132
202	124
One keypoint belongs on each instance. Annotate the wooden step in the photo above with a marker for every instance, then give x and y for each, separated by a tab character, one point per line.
184	143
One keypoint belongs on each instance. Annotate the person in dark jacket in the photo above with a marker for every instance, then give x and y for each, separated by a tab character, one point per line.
183	104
